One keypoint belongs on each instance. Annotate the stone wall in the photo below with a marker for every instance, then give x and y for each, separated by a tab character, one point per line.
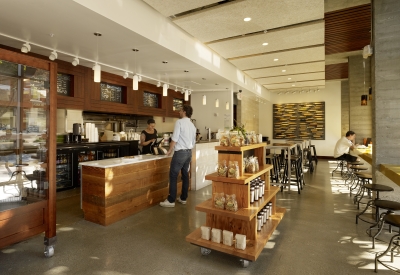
360	116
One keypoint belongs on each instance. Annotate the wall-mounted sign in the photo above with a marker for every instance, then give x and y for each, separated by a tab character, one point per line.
110	92
151	100
177	104
64	84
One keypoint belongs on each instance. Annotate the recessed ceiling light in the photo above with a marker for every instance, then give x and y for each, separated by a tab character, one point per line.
135	50
186	71
283	71
276	59
265	44
247	19
165	62
289	78
293	85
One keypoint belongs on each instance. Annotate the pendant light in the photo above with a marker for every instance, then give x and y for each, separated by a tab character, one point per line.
227	105
97	68
165	89
186	95
217	103
135	82
97	73
364	98
204	100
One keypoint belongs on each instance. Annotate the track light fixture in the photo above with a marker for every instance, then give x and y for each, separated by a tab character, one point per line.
53	55
135	82
176	88
139	78
158	84
165	89
75	62
126	74
97	73
26	47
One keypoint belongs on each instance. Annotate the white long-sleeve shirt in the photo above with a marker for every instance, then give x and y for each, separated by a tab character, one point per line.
184	134
342	147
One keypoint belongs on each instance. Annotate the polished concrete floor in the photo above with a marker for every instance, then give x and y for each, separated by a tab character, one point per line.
318	235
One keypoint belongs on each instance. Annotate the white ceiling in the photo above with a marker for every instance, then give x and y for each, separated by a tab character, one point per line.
227	20
171	7
294	69
73	26
293	29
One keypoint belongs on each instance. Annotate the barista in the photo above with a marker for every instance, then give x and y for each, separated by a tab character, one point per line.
148	136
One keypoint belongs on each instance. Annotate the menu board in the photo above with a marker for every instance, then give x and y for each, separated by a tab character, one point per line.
299	120
150	100
177	104
110	92
64	84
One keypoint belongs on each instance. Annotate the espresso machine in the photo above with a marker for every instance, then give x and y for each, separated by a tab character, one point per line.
76	132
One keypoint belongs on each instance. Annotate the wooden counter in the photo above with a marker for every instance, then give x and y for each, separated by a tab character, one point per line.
365	154
391	171
113	190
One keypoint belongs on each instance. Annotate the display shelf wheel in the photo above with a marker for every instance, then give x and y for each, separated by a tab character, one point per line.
244	263
49	251
205	251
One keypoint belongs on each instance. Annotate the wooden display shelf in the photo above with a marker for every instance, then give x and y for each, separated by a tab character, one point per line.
245	214
253	247
246	178
239	148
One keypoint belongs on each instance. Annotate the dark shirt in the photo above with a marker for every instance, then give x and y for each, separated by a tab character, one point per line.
146	148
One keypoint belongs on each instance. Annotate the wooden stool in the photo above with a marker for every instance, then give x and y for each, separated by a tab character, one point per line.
377	188
393	220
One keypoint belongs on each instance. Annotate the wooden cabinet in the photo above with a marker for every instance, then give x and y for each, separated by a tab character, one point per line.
243	221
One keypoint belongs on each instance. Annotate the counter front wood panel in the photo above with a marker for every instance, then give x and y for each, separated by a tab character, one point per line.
112	194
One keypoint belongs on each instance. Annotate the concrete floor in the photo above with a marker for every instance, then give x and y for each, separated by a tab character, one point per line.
318	235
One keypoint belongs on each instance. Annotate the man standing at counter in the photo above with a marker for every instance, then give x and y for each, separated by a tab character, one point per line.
182	141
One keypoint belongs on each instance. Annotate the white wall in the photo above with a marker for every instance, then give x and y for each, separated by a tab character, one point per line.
331	94
265	121
165	126
209	115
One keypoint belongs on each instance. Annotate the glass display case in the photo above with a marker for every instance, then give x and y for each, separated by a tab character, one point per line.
23	134
27	148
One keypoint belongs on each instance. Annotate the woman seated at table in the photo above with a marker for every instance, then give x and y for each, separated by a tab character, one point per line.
343	147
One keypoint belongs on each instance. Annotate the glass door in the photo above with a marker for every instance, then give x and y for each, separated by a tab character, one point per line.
24	108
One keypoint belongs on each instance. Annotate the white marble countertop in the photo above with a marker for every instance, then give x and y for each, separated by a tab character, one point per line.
107	163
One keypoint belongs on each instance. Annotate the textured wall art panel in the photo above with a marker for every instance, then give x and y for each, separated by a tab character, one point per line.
299	120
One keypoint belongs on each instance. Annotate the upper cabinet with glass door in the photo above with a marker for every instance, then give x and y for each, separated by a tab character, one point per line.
24	118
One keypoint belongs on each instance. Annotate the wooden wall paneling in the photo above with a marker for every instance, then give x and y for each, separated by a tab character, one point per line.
347	29
337	71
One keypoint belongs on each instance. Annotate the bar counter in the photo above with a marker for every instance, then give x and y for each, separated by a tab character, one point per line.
114	189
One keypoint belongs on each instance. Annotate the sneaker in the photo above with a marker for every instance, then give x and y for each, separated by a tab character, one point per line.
181	201
166	203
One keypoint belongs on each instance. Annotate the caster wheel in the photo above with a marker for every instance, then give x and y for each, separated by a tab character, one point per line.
244	263
49	251
205	251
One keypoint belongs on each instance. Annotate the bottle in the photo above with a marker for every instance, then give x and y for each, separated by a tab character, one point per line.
256	191
270	208
259	222
252	194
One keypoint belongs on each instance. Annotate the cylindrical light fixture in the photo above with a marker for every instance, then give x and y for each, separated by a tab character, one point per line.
227	105
53	55
165	89
217	103
186	95
75	62
204	100
135	82
26	48
97	73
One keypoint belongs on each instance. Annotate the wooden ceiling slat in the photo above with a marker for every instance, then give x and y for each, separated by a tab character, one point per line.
336	71
347	29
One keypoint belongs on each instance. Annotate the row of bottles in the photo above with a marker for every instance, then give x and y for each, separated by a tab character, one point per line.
86	156
62	159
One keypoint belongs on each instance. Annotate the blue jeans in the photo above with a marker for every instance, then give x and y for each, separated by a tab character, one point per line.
180	162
